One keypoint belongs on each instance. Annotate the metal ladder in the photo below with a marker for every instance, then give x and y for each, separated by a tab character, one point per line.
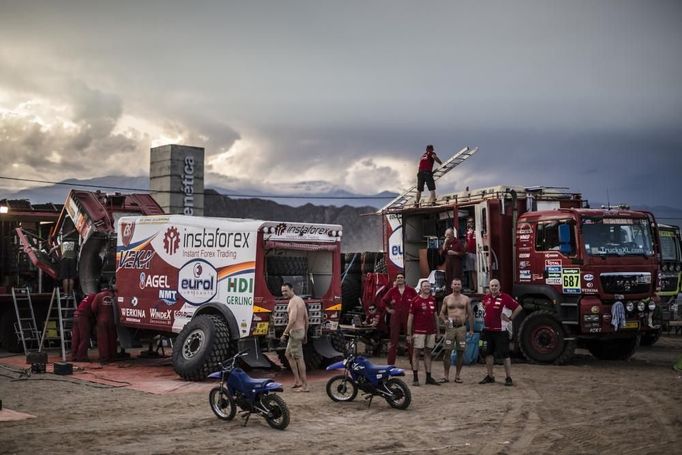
454	161
65	309
25	327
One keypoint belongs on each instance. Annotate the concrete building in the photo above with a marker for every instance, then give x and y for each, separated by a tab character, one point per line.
176	178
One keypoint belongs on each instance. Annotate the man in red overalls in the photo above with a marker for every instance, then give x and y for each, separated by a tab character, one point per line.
80	333
397	303
103	308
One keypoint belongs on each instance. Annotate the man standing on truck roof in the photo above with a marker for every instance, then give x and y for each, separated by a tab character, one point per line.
455	313
495	340
296	333
422	327
425	174
397	303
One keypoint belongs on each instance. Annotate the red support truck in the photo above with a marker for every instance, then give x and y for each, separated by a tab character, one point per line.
567	265
216	283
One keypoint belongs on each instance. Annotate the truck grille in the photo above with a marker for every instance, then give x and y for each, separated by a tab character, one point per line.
280	316
626	283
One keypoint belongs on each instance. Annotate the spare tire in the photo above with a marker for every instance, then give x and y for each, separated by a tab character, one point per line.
287	265
200	346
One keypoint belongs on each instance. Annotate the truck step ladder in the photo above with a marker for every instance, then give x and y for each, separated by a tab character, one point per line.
25	327
454	161
60	312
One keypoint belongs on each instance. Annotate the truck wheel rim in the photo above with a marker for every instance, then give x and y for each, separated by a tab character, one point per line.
544	339
193	344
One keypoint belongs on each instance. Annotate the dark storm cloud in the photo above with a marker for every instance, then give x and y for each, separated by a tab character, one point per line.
581	94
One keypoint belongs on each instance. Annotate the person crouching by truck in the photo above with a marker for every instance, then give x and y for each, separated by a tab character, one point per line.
103	309
82	327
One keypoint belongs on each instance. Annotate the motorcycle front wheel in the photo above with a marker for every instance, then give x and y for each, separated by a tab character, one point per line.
222	403
278	409
401	395
341	388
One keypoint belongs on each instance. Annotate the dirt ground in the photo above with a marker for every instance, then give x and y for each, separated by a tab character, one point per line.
589	406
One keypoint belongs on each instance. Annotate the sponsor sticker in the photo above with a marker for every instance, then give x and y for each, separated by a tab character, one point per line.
197	282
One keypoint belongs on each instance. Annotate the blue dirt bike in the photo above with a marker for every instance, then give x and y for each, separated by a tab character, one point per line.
238	389
373	380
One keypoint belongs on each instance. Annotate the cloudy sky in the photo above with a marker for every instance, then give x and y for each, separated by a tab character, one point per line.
580	94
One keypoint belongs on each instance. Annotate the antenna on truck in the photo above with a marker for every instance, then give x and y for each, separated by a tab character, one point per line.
454	161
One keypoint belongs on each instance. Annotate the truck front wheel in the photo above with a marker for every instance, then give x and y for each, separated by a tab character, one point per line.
201	344
541	338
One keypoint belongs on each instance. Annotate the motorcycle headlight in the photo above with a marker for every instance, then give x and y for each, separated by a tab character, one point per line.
641	306
629	306
652	305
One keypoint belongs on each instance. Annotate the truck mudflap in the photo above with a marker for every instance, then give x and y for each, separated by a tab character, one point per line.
323	346
254	357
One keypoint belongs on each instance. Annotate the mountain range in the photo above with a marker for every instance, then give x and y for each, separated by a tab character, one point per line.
317	202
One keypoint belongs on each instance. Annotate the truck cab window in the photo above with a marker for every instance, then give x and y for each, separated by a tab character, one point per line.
547	237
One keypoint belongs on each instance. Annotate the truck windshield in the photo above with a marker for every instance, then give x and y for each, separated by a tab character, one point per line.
309	272
617	237
670	247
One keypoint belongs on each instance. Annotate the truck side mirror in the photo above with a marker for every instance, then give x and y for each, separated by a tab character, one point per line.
565	246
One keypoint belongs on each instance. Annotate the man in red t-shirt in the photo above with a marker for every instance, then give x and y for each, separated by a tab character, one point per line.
425	174
422	327
495	340
396	303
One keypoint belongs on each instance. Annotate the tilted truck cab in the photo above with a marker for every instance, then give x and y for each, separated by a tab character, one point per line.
216	283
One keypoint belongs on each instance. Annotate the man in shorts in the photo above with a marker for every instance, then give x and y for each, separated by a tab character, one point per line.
296	333
455	312
495	340
422	327
425	174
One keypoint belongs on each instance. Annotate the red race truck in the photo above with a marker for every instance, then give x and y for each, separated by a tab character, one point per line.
216	283
568	266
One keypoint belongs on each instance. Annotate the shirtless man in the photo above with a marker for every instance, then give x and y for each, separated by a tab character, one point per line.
296	333
456	310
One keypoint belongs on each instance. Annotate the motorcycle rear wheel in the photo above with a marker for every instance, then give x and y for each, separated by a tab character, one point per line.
222	403
341	388
402	397
279	410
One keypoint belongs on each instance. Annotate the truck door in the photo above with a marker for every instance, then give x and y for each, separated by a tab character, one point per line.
483	263
550	265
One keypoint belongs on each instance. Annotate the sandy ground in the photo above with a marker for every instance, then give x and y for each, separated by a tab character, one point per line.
588	406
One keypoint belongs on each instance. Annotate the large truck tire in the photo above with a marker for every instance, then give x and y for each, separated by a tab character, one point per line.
541	339
200	346
287	265
614	349
650	338
351	292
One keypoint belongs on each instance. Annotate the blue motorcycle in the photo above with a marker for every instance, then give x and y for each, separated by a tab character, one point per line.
238	389
373	380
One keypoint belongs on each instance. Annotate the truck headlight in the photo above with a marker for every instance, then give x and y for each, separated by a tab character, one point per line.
641	305
630	306
652	305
